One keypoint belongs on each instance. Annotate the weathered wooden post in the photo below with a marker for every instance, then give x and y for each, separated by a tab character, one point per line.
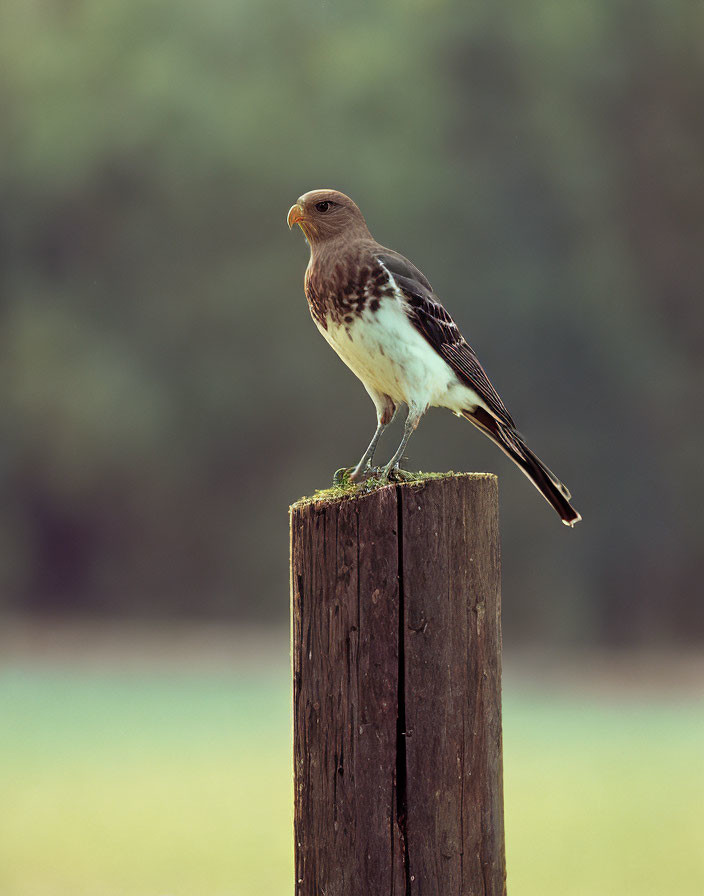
396	645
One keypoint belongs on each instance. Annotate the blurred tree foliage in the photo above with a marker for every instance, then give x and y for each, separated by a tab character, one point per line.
164	393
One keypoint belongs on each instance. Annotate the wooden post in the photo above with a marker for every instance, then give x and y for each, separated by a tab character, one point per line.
396	645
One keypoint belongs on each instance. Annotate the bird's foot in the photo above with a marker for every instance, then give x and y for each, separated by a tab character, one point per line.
353	475
396	474
341	477
365	474
347	476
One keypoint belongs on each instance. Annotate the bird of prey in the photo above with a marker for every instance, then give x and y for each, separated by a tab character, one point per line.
380	314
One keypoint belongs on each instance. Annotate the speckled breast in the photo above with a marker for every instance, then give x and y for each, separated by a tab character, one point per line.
342	293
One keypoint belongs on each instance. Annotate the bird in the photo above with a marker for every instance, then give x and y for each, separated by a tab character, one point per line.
380	314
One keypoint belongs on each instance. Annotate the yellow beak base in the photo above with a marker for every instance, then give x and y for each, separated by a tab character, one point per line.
295	215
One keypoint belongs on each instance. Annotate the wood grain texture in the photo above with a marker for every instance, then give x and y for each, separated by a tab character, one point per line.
396	650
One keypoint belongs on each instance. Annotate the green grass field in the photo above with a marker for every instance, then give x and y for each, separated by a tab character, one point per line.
164	784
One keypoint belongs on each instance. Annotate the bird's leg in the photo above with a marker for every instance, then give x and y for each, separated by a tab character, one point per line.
412	421
385	413
365	462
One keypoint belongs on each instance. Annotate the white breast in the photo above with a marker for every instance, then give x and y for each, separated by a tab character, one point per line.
390	356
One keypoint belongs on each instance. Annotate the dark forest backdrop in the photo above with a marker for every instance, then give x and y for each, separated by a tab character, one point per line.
164	392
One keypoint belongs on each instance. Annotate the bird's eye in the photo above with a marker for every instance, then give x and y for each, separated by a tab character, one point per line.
323	206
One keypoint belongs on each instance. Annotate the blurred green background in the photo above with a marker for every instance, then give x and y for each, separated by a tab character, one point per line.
134	764
165	396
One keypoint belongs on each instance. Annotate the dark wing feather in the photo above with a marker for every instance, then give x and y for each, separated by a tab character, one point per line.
430	318
400	266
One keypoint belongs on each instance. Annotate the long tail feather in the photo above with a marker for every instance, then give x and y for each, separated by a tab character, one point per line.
512	444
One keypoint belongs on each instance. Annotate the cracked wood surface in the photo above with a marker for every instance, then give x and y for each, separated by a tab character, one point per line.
396	649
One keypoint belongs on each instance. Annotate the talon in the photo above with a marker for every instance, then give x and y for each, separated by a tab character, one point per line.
396	474
365	474
339	476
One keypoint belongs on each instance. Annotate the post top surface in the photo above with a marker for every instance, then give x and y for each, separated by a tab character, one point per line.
351	491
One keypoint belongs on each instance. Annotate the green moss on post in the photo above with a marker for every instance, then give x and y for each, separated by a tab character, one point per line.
347	489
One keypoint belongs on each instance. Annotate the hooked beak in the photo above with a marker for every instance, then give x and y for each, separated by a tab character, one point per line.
295	215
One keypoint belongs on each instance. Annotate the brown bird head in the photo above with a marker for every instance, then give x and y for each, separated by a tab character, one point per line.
326	214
